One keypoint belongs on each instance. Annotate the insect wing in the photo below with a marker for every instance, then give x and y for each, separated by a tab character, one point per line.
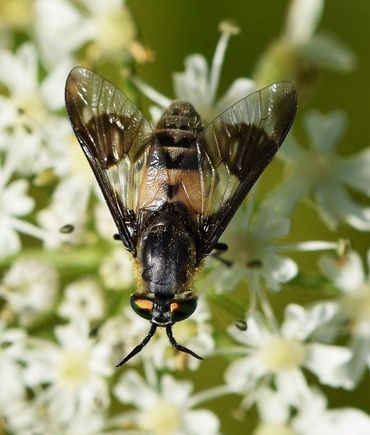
120	147
235	148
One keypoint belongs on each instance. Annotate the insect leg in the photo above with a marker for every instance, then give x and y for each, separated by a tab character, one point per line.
225	262
223	247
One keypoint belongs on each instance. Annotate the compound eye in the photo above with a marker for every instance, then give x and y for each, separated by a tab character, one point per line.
142	306
183	309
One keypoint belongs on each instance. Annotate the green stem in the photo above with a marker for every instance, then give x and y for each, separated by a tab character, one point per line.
75	260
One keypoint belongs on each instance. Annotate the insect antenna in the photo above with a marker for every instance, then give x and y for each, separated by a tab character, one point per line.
139	346
179	346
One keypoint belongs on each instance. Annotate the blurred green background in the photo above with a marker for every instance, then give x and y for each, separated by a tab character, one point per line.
175	29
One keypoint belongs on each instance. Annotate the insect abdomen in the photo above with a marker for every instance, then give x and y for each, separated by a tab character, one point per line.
177	131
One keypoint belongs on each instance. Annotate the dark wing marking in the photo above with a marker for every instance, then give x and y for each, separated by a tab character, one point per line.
119	145
233	151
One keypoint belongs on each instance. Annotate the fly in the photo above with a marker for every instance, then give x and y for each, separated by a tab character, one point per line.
172	190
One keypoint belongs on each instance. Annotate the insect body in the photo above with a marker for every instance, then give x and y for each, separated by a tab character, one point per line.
173	190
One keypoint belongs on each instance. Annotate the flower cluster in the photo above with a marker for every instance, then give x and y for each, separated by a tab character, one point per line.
65	319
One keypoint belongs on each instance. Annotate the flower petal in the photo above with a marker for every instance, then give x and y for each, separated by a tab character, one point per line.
131	388
174	391
291	151
271	407
199	422
346	272
325	130
19	71
292	386
271	229
339	422
10	243
355	172
60	29
335	204
328	52
192	84
300	323
327	362
286	197
15	200
242	375
255	336
239	89
302	20
52	88
361	357
278	269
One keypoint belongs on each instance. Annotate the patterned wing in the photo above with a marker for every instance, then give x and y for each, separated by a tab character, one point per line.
233	151
120	147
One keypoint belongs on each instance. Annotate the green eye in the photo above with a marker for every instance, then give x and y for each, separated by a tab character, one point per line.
143	307
183	309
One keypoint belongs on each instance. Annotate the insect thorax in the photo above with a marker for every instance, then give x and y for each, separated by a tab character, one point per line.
166	253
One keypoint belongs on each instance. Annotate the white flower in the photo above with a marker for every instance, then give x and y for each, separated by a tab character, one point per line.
311	416
25	417
255	253
324	176
274	414
252	246
302	20
116	269
346	271
163	407
75	372
122	333
323	50
253	250
30	289
62	28
103	219
198	84
314	417
27	106
12	350
14	204
83	300
302	51
348	275
21	416
280	355
68	207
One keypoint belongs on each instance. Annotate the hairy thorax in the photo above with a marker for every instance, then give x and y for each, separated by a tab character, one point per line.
167	254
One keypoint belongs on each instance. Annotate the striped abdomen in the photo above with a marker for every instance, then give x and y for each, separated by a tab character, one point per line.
176	176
